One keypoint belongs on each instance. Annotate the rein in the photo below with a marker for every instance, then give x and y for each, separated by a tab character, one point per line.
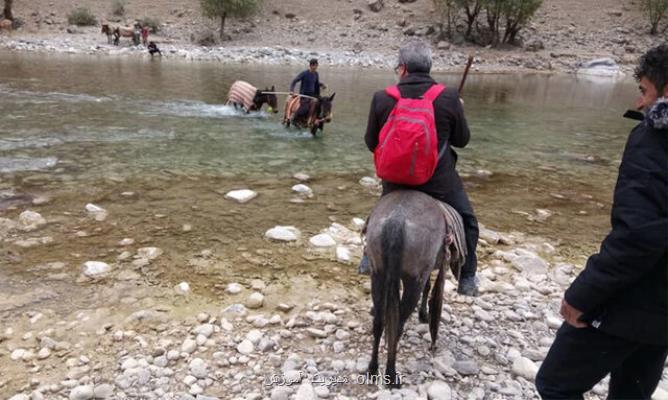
287	93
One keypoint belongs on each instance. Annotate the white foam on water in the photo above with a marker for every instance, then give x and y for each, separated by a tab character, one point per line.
15	164
36	97
197	109
7	144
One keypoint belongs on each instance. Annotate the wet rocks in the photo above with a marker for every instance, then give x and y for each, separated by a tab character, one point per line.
97	212
96	269
233	288
29	221
255	300
302	177
303	190
283	233
182	288
149	253
322	240
241	196
369	182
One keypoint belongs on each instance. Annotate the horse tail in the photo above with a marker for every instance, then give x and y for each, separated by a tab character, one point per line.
392	239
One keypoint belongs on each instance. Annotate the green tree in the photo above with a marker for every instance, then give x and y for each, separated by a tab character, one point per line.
656	11
228	8
517	13
7	12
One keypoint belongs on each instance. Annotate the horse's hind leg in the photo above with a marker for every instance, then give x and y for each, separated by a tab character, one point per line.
423	316
436	306
378	295
409	300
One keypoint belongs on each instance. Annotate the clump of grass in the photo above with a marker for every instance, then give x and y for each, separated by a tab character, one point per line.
152	23
81	17
118	8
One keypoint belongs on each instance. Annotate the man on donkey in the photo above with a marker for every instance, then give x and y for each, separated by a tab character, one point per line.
442	183
310	85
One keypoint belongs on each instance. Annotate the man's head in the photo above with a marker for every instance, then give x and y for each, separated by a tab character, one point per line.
414	57
652	75
313	65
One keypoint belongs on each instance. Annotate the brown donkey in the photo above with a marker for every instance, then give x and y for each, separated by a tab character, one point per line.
409	234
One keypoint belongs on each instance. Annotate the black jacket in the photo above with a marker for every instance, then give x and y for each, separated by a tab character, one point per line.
451	128
624	287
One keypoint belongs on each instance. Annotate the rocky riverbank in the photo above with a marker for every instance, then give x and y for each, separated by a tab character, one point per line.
445	59
562	37
106	303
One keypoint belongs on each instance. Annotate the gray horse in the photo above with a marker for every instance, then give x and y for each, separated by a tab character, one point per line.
409	235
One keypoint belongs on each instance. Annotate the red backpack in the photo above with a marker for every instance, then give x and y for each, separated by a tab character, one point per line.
407	151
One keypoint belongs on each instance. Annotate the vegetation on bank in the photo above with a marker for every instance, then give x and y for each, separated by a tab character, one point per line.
222	9
485	22
81	16
152	23
657	12
118	8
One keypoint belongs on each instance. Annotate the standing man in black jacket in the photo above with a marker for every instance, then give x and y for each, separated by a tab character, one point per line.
413	68
616	313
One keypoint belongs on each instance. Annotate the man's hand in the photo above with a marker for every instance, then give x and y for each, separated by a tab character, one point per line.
571	315
292	93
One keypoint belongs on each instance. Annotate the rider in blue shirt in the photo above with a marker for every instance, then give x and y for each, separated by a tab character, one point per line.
310	86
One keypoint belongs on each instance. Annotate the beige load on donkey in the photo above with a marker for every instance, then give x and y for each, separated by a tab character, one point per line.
249	98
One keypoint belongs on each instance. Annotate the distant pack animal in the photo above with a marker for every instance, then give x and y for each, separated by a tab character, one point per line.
320	112
249	98
6	25
114	32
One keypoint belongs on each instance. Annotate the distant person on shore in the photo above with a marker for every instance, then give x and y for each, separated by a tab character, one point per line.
117	36
310	85
153	48
144	35
415	82
136	37
616	310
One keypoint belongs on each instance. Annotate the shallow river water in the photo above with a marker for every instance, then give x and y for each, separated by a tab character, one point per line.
151	142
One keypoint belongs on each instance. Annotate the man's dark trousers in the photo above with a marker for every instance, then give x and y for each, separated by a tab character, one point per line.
580	358
458	200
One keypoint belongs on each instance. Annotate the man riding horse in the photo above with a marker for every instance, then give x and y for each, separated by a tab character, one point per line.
309	86
413	70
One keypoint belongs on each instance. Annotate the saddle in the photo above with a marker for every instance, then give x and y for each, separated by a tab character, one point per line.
291	107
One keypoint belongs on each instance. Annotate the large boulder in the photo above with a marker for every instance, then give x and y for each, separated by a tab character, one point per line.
600	67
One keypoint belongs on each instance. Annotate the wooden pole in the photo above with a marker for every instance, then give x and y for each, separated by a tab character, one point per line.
466	73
